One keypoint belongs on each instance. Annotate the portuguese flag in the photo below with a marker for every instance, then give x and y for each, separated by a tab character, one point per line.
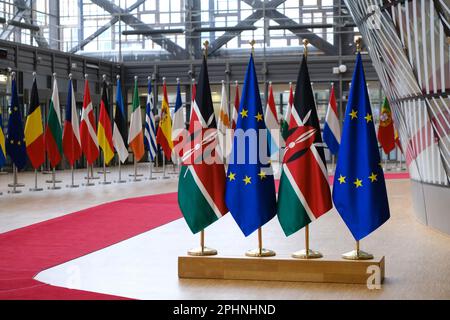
304	193
34	130
53	131
386	134
201	186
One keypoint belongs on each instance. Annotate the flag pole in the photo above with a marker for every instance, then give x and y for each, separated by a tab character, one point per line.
36	188
120	171
72	172
306	253
151	177
135	170
35	170
164	166
357	254
260	251
202	250
15	184
54	186
104	171
88	176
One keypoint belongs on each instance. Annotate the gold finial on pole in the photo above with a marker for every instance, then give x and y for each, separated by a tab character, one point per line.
358	43
305	46
205	51
252	43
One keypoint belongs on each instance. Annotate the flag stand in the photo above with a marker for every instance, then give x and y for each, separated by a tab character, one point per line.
73	185
307	253
54	186
88	177
135	175
357	254
260	251
15	184
120	174
202	250
36	182
151	177
104	172
164	167
92	174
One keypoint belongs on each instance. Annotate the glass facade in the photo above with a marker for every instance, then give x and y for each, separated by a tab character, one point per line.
409	46
65	24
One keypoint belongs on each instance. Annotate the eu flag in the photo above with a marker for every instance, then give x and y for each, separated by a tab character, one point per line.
250	187
15	140
359	190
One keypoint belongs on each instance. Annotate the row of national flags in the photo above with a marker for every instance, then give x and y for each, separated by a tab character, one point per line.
84	136
246	188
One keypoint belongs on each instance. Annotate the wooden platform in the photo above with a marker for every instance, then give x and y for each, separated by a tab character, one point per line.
327	269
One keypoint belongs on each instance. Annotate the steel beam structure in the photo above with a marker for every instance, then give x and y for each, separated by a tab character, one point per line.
247	22
103	28
137	24
291	25
24	12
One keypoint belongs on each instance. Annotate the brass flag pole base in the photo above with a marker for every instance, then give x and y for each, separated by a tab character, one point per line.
260	251
202	250
357	254
307	253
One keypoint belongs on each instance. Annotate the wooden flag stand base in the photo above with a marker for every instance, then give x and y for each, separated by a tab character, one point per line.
326	270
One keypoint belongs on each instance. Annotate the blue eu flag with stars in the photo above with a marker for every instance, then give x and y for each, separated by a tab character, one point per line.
15	140
250	187
359	190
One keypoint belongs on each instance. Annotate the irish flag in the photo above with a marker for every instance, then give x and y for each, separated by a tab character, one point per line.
164	134
135	136
201	186
53	131
304	194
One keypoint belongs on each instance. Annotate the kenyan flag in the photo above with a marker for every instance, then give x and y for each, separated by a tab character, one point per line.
304	193
201	186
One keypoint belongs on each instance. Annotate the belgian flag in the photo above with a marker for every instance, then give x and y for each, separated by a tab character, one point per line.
34	130
104	131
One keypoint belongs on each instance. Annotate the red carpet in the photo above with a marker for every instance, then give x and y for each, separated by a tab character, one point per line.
27	251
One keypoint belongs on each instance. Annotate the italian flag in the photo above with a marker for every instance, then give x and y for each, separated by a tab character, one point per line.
201	186
135	136
53	131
